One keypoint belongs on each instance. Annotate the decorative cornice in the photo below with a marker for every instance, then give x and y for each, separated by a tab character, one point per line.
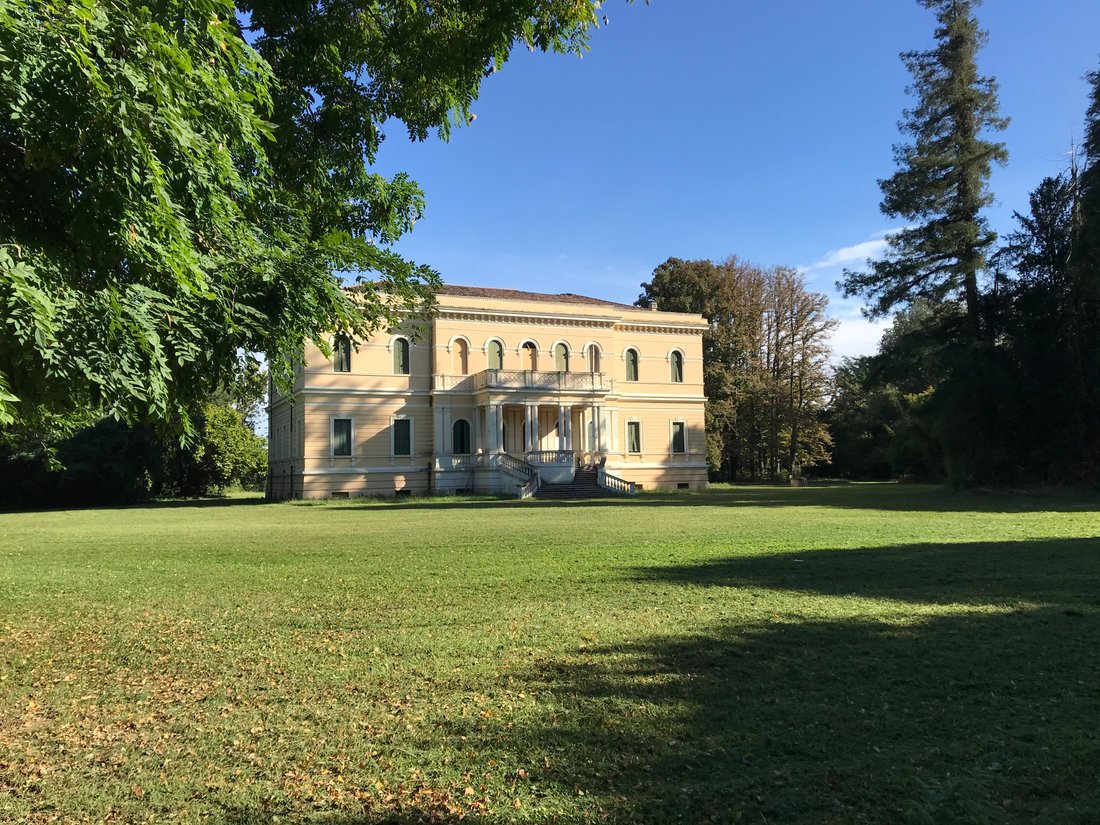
658	327
537	318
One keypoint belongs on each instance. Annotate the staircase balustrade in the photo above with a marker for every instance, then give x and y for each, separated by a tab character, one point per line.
528	472
614	483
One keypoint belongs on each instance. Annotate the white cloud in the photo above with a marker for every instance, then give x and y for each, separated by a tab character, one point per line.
859	252
857	336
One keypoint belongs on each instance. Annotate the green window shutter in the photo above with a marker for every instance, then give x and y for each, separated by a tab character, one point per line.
631	365
679	439
341	354
677	368
633	437
401	356
341	436
561	358
402	437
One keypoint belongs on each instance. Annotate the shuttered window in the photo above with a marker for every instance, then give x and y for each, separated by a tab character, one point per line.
677	368
402	436
341	354
341	436
632	365
679	437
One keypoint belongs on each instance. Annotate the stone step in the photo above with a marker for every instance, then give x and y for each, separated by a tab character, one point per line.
583	486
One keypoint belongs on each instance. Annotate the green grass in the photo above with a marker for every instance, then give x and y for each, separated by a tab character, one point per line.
834	654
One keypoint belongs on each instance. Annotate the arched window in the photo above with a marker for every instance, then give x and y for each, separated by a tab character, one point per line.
461	432
341	354
496	355
401	356
529	358
561	358
593	358
460	358
632	365
676	361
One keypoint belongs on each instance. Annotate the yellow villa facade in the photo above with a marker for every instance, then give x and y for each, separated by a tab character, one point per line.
500	391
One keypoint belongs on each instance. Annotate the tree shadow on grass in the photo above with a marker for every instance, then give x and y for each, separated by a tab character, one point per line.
1054	571
211	502
986	712
870	496
843	495
981	718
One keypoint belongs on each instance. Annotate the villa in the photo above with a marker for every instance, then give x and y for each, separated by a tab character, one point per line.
500	391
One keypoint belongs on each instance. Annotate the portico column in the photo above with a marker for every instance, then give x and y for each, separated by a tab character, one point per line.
491	427
448	447
561	426
437	429
498	432
599	445
568	418
530	427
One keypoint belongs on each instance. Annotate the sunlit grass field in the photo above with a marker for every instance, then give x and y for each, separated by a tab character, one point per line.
831	654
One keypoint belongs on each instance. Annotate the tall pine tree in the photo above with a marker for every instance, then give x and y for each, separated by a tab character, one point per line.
1084	279
942	181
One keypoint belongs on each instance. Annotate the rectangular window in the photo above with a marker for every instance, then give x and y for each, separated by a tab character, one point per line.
402	436
633	436
679	437
341	436
341	354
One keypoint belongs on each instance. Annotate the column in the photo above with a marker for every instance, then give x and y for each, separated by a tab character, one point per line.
498	431
448	447
568	438
530	427
437	430
561	426
600	427
491	427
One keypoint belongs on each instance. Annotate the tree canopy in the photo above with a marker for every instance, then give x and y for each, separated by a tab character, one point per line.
765	362
941	184
181	180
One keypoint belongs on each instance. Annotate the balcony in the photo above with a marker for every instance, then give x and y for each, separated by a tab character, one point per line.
571	382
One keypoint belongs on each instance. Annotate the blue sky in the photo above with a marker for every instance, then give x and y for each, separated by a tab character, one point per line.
705	128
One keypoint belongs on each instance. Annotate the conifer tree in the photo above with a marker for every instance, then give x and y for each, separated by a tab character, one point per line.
941	184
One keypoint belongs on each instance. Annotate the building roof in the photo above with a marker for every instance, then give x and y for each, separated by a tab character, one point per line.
520	295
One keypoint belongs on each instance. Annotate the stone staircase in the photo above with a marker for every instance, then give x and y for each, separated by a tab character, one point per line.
583	485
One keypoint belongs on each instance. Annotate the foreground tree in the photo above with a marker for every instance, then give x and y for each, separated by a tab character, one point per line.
172	192
941	185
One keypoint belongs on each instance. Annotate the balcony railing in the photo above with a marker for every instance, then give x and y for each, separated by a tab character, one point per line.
465	383
565	457
534	380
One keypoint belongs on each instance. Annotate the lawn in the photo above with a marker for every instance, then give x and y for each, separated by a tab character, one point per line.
833	654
